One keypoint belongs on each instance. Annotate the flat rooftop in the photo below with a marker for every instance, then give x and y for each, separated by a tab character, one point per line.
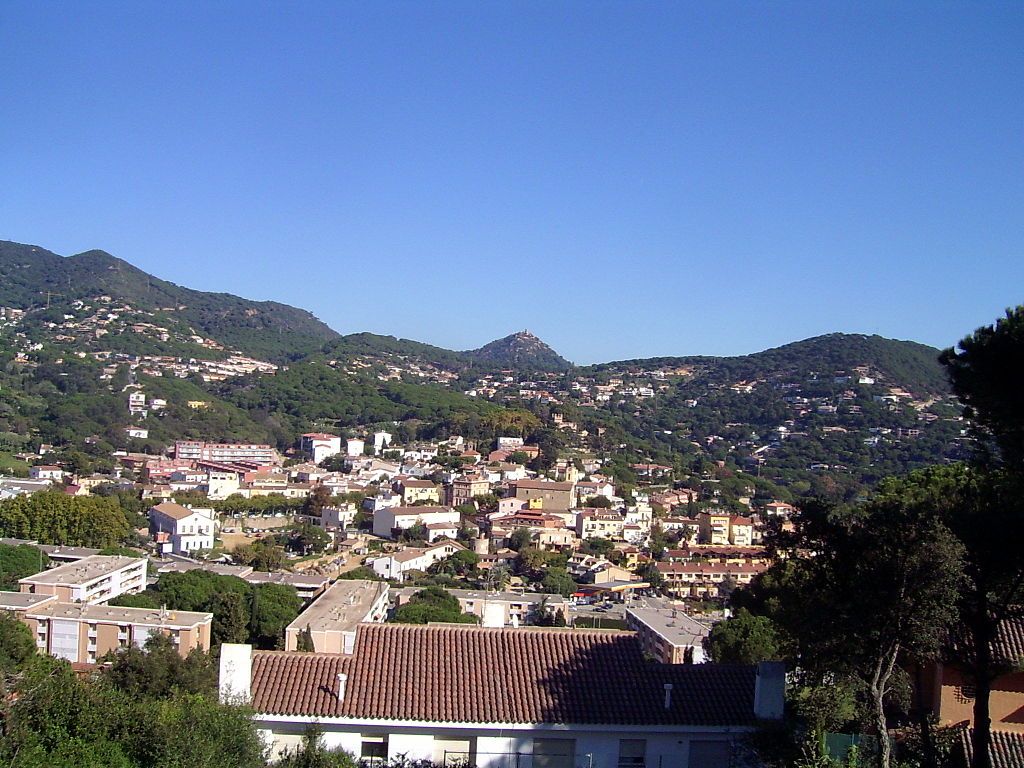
84	571
405	593
341	607
68	553
221	569
21	601
121	615
669	622
305	580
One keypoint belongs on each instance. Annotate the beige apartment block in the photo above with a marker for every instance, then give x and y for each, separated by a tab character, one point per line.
94	579
84	632
333	617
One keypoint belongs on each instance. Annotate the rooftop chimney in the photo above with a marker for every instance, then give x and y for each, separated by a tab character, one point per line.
769	690
342	680
668	695
235	684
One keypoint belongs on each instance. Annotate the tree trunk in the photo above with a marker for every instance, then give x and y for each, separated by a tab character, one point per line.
982	735
879	687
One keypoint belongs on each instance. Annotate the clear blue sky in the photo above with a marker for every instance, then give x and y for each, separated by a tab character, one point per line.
624	179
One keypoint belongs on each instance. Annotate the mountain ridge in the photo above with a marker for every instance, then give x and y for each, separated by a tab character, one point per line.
33	277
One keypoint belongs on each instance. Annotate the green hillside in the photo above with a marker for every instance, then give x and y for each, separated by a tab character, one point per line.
31	277
906	364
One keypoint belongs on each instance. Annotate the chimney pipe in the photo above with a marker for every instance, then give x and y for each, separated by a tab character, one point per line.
668	695
342	680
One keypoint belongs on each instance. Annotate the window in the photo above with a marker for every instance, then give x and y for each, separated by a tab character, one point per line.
453	753
373	750
553	753
631	753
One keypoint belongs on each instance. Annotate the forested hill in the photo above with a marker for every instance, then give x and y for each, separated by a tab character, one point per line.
520	351
33	277
904	364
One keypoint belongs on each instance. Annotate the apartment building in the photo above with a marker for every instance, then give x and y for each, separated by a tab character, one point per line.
83	632
226	453
332	618
666	633
465	488
704	579
320	445
416	491
599	523
94	579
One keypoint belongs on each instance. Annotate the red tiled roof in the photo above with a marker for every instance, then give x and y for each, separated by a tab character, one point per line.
481	675
1006	750
1009	643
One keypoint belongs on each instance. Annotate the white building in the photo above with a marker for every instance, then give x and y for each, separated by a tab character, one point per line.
182	530
221	484
46	472
320	445
497	698
387	522
94	579
381	440
398	564
354	446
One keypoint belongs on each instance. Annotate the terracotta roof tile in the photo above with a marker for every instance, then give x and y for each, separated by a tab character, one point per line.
1006	749
475	674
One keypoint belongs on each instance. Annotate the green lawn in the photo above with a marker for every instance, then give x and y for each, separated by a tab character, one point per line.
12	466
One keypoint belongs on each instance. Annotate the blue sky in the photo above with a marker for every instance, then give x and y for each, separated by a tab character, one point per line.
624	179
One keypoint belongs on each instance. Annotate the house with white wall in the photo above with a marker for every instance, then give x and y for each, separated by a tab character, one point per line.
320	445
389	522
398	564
181	530
500	698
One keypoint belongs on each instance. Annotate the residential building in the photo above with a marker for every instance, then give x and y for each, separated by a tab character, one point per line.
466	487
94	579
46	472
221	484
193	450
390	521
741	531
496	698
338	517
307	585
499	609
713	527
952	692
354	447
84	632
381	440
332	618
704	579
320	445
666	633
415	491
550	495
181	530
398	564
599	523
